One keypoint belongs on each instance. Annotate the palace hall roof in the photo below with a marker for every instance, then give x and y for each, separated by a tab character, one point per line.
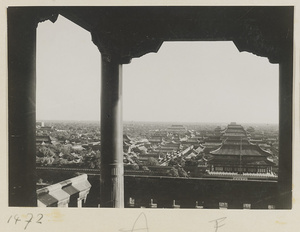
237	149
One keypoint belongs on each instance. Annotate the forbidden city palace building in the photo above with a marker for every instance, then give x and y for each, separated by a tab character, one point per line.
237	156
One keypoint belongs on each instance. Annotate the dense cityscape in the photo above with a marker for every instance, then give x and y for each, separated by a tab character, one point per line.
164	149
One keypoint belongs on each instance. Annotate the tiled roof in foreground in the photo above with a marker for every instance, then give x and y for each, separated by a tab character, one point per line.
58	195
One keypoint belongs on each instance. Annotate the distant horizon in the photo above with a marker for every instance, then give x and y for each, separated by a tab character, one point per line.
144	121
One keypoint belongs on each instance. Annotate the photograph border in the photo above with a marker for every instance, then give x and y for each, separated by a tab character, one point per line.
127	220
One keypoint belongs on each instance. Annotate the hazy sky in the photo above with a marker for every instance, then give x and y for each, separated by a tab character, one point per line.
184	81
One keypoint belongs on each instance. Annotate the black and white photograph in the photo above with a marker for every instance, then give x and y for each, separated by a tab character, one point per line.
183	112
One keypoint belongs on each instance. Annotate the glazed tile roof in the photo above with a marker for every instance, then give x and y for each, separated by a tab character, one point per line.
244	150
62	191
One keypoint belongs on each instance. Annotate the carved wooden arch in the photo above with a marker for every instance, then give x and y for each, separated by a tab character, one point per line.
123	33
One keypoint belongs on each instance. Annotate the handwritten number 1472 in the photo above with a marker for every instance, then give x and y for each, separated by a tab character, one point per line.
29	219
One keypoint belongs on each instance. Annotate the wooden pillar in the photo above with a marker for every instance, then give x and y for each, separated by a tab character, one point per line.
285	136
21	105
112	171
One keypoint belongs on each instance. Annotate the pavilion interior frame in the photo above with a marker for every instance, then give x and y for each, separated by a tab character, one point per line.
123	33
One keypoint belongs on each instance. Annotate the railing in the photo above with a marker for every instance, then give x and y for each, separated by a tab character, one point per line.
165	192
175	205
